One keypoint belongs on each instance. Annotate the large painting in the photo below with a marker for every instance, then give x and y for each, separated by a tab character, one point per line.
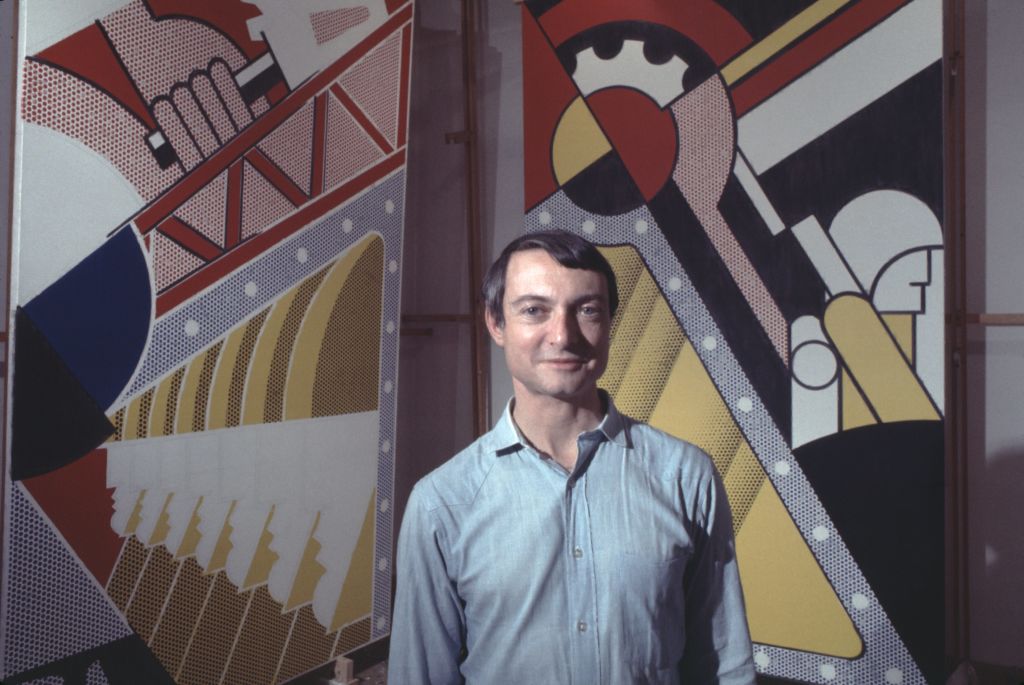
766	178
209	201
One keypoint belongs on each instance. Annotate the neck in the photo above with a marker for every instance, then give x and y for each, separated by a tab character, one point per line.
552	425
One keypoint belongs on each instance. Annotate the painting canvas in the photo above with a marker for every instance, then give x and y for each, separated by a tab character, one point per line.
766	179
208	216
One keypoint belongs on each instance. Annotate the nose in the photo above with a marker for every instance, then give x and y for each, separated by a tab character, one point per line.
565	328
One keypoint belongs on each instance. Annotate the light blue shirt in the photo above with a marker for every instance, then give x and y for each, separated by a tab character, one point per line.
512	570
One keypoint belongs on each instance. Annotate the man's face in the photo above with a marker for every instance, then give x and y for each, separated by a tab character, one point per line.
556	327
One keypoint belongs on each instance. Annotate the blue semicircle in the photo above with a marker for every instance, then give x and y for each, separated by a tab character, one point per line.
98	315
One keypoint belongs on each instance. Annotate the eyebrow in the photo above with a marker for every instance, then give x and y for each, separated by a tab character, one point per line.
529	297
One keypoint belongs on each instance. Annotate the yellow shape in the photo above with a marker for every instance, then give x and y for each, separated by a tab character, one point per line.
190	540
855	409
653	353
259	373
132	418
264	558
632	320
875	361
194	391
219	558
136	516
778	39
165	403
743	481
356	599
578	141
227	367
309	572
789	602
163	523
305	362
902	328
691	408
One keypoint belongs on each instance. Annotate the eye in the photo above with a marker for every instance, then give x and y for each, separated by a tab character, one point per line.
590	310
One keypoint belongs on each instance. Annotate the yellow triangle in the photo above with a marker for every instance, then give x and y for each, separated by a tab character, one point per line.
356	599
783	585
190	540
219	558
264	558
309	572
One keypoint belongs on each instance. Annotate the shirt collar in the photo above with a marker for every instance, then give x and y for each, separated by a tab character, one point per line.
507	439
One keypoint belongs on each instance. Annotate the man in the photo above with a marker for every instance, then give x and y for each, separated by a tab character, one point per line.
570	544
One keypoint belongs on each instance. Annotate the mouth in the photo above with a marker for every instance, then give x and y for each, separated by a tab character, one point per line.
569	363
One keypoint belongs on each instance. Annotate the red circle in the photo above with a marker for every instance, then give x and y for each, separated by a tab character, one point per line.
641	133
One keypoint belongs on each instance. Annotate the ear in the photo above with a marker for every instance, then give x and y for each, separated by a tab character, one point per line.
497	331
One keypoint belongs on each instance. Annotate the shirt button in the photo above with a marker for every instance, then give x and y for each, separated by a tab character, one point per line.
577	552
581	626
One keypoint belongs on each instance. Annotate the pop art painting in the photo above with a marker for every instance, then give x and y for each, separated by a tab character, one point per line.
766	179
208	235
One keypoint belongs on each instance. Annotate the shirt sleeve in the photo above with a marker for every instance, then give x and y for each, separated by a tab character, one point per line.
718	648
427	630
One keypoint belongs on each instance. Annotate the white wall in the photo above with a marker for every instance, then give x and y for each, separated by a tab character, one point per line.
994	54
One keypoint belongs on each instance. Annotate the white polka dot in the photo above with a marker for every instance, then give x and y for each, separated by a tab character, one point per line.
346	225
302	254
191	328
674	283
382	622
388	387
385	446
390	327
828	671
544	218
589	226
382	565
385	504
641	226
860	601
745	405
894	676
820	533
251	289
392	266
762	659
709	343
782	468
389	206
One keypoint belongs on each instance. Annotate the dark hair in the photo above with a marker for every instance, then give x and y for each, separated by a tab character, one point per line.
568	249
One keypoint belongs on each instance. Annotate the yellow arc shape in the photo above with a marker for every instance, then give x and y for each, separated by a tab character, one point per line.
259	370
874	360
306	353
578	141
220	391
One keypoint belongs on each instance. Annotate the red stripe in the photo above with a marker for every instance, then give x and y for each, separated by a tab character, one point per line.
403	93
190	239
810	52
233	228
277	178
361	119
319	141
213	272
175	196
